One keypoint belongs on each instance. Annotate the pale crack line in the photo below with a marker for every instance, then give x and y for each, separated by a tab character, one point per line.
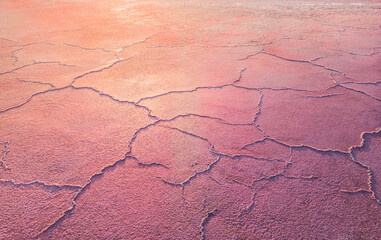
36	63
348	153
85	48
222	86
80	192
187	181
374	52
240	75
141	164
369	170
296	146
181	91
362	83
135	43
259	106
5	152
239	156
28	44
37	82
205	116
195	89
100	70
31	97
249	207
14	56
303	61
326	96
351	89
272	89
43	184
205	221
293	60
6	39
182	184
251	55
80	88
113	99
190	134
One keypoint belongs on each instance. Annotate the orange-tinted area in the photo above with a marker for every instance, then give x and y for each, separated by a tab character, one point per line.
228	119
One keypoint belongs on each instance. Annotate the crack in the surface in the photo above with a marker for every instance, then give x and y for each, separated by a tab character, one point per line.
85	48
295	146
374	52
114	99
239	156
272	89
369	170
181	91
31	97
249	207
191	134
247	44
337	84
362	83
14	56
137	133
214	180
182	184
79	193
141	164
5	152
7	39
28	44
196	89
222	86
259	106
204	116
325	96
80	88
240	75
135	43
205	221
302	61
312	62
250	56
187	181
100	70
43	184
37	82
348	153
36	63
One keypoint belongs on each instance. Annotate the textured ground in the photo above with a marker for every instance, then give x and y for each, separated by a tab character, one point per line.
190	119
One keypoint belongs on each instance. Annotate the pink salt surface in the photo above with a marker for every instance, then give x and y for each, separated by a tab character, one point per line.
190	119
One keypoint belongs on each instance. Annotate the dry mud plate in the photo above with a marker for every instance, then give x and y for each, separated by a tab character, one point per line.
225	119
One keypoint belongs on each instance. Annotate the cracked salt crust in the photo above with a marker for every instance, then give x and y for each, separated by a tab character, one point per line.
209	120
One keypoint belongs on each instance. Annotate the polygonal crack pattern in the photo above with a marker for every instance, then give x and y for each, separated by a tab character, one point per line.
190	119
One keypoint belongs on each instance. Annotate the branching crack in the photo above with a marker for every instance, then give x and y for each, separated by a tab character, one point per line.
369	170
351	89
312	62
79	194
